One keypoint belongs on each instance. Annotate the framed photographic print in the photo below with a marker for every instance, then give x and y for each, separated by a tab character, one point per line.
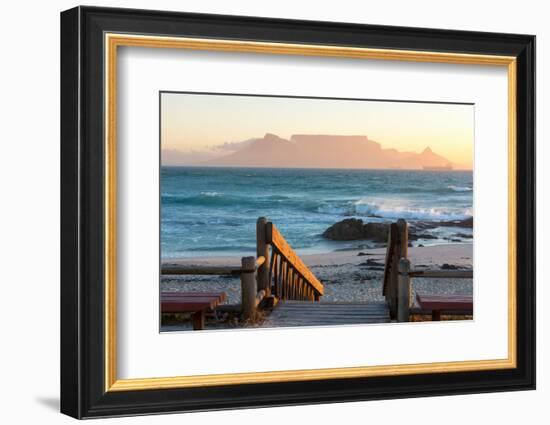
261	212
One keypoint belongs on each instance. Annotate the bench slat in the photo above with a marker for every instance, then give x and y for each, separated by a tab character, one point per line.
179	302
176	295
445	302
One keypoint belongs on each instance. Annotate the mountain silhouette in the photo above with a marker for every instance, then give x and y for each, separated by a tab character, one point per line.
325	151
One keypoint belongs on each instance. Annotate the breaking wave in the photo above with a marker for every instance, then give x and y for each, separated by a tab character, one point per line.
460	188
394	210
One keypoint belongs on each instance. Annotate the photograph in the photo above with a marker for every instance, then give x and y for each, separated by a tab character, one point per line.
284	211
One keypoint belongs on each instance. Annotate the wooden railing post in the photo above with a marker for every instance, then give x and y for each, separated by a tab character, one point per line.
262	249
392	277
403	291
248	288
403	246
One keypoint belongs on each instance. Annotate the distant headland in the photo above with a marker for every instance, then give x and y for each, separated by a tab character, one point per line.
309	151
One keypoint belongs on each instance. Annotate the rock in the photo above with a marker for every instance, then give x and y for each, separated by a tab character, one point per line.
346	230
370	262
353	229
378	232
447	266
420	245
426	225
467	222
463	235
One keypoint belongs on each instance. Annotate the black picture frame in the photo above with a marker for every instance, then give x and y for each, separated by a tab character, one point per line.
83	392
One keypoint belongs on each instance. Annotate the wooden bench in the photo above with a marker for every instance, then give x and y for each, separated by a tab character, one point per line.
197	303
445	303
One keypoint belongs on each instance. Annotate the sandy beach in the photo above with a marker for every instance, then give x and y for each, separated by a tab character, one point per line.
354	275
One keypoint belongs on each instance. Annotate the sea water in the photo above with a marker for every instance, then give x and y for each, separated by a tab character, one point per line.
212	211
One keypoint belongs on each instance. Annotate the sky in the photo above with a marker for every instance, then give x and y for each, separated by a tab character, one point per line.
199	122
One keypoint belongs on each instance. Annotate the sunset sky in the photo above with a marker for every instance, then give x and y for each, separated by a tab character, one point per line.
197	123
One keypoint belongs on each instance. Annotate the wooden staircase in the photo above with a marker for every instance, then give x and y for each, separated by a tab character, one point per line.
297	292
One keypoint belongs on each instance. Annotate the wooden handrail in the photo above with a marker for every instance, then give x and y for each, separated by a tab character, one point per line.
287	266
196	269
458	274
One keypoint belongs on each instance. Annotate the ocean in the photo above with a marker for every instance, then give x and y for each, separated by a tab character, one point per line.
212	211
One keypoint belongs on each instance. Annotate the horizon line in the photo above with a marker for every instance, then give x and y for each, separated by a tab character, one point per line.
315	168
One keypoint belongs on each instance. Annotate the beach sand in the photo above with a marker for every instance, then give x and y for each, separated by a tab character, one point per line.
346	275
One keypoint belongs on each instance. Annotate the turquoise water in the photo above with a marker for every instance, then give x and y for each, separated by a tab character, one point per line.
213	211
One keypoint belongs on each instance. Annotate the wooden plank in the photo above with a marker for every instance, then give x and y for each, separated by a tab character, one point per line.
280	277
326	322
260	296
174	294
335	304
291	303
220	296
390	252
186	307
445	302
260	261
332	310
305	316
283	315
290	322
273	273
328	319
262	250
465	274
192	298
284	266
248	289
285	312
403	242
304	313
275	238
195	269
331	314
403	290
198	320
421	312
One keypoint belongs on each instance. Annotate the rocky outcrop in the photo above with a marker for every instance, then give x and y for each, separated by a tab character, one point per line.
353	229
466	223
377	232
349	229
